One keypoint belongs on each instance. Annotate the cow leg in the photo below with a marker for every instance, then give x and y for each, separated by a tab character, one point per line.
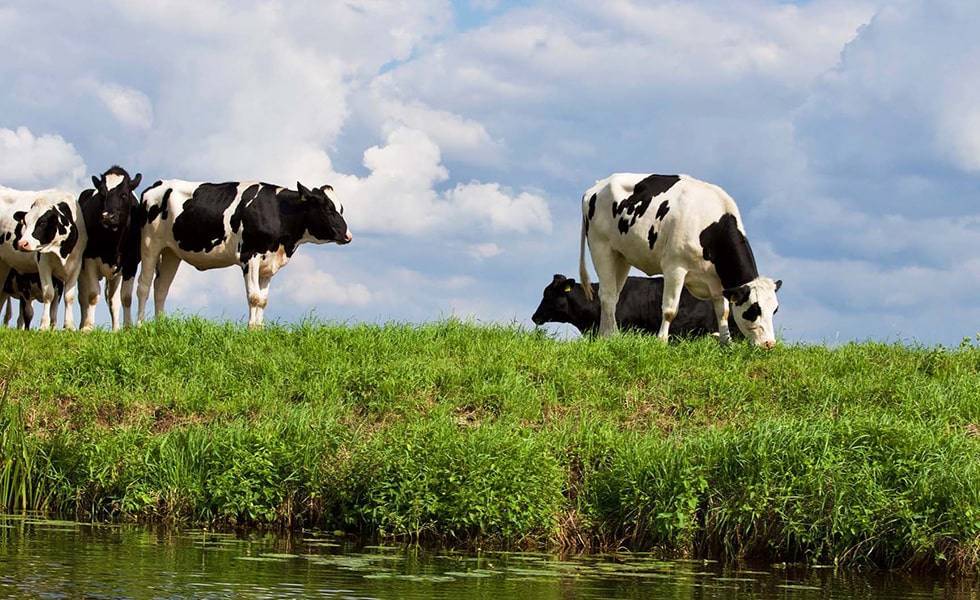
253	292
8	310
88	292
166	271
721	312
26	314
148	268
113	287
70	293
49	314
612	270
264	298
127	301
673	285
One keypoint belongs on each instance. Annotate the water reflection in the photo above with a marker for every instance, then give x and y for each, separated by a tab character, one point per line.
60	559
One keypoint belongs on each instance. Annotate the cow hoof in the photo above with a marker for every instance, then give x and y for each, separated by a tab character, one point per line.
87	328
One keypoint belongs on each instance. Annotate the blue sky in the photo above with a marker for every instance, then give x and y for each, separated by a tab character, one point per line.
461	135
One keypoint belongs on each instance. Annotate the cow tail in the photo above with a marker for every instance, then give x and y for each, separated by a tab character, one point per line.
583	271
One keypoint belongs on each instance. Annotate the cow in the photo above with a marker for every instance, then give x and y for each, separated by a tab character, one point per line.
686	229
111	214
255	226
43	232
26	288
564	301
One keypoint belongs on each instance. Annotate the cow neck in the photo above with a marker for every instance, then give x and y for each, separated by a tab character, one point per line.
728	249
294	217
588	312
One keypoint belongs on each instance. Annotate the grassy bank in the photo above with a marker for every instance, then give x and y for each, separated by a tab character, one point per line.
866	453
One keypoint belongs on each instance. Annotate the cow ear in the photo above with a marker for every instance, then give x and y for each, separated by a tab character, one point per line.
779	284
558	278
135	181
19	216
96	182
302	190
736	295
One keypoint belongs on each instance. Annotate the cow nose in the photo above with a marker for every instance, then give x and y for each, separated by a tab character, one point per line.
348	238
769	344
23	245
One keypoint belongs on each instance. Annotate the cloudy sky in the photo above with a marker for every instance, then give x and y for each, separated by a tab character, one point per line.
460	136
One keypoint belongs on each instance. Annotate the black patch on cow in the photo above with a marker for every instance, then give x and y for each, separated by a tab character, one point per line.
662	210
200	227
754	312
119	248
634	207
638	309
47	226
67	224
737	295
592	206
247	197
585	226
614	207
727	248
161	210
652	236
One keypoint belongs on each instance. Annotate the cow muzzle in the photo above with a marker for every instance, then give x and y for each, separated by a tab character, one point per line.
348	238
24	246
110	221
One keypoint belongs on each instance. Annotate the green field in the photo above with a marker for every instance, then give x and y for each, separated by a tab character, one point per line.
473	435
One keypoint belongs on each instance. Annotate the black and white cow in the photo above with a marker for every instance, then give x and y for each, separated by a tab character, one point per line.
42	232
111	215
26	288
688	230
256	226
638	309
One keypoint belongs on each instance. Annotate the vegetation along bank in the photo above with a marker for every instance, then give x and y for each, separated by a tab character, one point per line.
479	435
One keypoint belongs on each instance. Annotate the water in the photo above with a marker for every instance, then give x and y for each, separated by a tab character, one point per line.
58	559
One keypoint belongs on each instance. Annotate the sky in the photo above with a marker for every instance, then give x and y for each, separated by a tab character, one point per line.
460	136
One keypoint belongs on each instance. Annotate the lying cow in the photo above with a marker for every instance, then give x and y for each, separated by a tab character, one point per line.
638	309
42	232
256	226
112	221
26	288
688	230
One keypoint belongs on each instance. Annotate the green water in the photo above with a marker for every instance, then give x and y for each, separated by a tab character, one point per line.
59	559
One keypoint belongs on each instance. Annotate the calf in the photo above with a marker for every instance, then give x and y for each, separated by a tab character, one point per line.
26	288
638	309
688	230
255	226
42	232
111	215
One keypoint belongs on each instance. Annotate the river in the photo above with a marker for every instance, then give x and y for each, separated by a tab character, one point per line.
62	559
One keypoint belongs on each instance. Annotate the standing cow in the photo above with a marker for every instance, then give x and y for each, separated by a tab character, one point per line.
689	230
256	226
638	309
26	288
110	211
43	232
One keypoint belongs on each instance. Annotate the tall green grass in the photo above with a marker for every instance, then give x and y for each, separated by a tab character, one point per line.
862	454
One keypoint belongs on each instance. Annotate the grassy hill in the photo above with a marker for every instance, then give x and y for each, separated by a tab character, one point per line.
867	453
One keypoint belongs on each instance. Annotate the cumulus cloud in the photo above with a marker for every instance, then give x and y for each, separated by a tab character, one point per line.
130	107
30	161
306	284
400	194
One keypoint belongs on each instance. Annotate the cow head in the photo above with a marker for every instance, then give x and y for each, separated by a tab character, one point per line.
325	220
47	226
563	301
753	306
116	191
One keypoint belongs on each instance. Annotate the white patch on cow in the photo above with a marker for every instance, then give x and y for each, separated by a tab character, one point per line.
112	180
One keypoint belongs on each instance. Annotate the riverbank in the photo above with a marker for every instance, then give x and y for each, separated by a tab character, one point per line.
864	454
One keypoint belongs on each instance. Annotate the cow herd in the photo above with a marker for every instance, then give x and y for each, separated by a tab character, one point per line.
55	247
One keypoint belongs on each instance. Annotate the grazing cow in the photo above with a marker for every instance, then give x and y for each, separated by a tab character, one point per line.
256	226
26	287
688	230
110	211
638	309
42	232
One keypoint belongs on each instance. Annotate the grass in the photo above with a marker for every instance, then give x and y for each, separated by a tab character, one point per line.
863	454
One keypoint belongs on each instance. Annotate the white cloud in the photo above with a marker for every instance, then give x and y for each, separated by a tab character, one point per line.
131	107
302	281
30	161
484	251
400	196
